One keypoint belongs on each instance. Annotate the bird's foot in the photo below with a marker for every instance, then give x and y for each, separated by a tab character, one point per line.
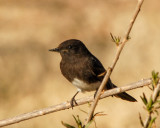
73	102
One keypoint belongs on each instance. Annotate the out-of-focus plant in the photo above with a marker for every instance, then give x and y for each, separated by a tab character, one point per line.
153	104
78	122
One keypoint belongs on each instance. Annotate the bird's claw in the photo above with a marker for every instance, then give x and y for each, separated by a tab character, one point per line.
72	102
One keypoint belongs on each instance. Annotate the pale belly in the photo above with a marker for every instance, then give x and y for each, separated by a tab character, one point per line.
82	86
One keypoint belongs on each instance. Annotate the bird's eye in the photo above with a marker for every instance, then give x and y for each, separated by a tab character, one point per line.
93	59
70	46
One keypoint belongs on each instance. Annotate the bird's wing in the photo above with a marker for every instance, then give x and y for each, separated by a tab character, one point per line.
97	68
99	71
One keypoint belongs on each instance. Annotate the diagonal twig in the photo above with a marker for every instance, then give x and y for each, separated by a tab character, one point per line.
109	71
66	105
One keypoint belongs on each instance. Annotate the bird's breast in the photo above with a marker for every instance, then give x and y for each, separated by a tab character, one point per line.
83	86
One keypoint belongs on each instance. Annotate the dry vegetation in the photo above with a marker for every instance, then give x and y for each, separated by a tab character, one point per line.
30	77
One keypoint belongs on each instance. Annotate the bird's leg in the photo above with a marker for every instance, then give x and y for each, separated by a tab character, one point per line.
95	93
73	100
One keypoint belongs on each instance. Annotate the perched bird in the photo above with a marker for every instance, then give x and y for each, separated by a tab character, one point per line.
83	69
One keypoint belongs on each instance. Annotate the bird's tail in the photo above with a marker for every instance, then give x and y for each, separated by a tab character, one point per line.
126	96
122	95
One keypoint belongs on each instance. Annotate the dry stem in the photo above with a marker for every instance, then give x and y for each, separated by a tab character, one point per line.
109	71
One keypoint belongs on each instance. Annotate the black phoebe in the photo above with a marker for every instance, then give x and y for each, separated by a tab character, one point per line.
83	69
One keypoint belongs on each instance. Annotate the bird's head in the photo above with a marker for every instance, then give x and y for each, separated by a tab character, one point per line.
70	48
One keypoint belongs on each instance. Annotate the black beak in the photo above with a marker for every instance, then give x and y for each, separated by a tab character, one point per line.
54	50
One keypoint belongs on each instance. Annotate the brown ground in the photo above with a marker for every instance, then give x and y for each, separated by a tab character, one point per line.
30	77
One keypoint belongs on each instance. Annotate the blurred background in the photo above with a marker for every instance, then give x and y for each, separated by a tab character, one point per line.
30	76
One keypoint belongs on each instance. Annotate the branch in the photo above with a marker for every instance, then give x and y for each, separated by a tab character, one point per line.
109	71
66	105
